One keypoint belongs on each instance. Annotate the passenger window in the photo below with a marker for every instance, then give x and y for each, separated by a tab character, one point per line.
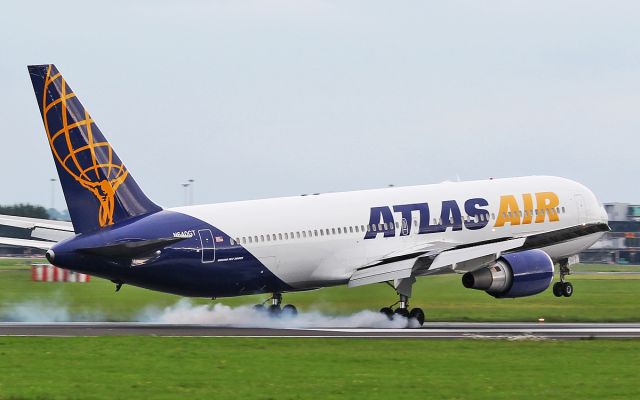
493	216
231	242
250	240
563	211
351	229
244	240
286	236
373	228
397	225
298	235
304	234
339	230
279	236
255	238
268	237
382	227
315	232
333	231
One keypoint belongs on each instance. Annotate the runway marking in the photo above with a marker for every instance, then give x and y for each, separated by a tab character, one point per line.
440	330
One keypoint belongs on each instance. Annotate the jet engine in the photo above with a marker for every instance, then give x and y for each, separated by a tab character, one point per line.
520	274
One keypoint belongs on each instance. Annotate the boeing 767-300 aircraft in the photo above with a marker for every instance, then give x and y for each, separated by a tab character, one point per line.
502	236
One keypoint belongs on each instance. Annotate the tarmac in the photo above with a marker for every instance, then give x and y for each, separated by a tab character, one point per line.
431	330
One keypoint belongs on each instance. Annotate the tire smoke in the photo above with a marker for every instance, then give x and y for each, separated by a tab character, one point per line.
184	312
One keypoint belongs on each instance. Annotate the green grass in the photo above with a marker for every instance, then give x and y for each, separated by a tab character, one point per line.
19	263
232	368
597	298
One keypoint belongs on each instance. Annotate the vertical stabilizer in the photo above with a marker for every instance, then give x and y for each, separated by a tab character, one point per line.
98	188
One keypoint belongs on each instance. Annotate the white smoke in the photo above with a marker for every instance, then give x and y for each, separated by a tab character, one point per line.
50	311
184	312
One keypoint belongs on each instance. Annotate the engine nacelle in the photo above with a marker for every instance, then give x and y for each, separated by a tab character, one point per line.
514	275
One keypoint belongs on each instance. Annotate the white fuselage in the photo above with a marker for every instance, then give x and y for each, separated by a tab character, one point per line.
318	240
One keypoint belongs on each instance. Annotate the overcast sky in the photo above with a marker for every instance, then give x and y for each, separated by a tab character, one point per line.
256	99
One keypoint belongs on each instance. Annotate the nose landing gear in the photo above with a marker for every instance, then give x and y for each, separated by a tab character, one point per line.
563	288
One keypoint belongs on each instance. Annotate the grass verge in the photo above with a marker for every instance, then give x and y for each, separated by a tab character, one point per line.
228	368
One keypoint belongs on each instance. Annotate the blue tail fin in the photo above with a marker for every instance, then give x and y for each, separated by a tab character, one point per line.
98	188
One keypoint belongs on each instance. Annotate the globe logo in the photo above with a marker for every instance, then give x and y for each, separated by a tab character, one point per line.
79	147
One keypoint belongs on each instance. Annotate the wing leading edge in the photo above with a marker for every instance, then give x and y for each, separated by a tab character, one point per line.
441	257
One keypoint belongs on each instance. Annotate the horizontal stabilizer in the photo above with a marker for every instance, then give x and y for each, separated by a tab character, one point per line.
33	244
37	229
132	248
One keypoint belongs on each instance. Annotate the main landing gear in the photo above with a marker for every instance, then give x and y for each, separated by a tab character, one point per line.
274	308
563	288
403	288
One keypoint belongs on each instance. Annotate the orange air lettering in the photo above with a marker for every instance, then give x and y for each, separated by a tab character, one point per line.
528	208
546	201
509	211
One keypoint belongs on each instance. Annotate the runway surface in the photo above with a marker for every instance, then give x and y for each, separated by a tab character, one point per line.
435	330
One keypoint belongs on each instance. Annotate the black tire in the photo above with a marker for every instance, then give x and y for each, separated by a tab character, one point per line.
387	311
557	289
289	310
418	315
403	312
274	310
567	289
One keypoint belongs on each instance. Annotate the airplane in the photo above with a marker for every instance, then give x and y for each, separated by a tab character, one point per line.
503	236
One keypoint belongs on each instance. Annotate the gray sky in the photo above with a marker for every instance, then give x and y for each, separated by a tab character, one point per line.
258	99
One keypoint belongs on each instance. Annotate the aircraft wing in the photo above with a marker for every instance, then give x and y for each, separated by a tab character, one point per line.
43	233
432	258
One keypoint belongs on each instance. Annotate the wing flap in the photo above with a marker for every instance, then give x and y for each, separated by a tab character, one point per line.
382	272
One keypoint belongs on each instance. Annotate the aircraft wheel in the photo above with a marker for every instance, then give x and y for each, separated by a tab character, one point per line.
418	315
289	310
274	310
557	289
402	312
567	289
387	311
258	307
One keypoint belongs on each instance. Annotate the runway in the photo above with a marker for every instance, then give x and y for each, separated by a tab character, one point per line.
435	330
